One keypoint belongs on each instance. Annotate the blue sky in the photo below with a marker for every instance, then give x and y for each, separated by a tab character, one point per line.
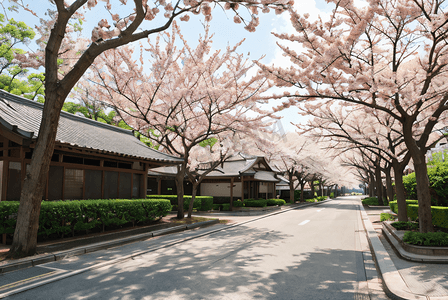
226	32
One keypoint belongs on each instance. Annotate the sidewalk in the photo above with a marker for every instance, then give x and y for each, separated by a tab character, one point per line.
403	279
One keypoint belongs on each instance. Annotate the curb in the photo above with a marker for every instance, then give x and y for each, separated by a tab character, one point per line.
393	283
31	262
396	243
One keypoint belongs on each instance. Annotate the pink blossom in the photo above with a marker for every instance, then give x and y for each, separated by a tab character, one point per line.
185	18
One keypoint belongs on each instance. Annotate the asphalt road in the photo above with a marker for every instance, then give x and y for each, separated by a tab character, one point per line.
310	253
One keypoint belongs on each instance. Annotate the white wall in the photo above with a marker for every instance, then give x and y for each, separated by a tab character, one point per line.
220	189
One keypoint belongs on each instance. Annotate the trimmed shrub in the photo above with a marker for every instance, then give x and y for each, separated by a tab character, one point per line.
255	203
8	216
206	203
217	206
439	216
332	195
400	225
225	206
202	203
221	200
435	239
59	218
321	198
394	206
296	195
370	201
438	181
273	202
386	217
238	203
439	213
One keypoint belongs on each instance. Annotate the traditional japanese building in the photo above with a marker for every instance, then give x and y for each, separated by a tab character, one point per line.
239	177
242	177
91	160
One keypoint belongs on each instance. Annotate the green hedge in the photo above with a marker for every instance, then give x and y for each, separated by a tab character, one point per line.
386	217
274	202
225	206
373	201
8	214
437	239
394	206
238	203
202	203
438	181
255	203
401	225
317	199
439	213
63	217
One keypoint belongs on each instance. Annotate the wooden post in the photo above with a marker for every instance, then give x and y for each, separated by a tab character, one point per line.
159	186
231	192
102	184
242	188
102	178
118	186
144	186
4	182
4	239
83	184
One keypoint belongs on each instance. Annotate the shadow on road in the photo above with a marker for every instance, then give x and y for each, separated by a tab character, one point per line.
241	263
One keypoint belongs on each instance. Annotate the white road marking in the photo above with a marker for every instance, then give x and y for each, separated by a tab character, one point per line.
304	222
46	267
320	209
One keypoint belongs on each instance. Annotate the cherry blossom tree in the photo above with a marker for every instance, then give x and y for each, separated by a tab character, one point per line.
389	57
301	159
192	95
68	56
376	140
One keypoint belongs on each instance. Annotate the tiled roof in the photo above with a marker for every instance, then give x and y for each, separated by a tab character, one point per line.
244	164
75	130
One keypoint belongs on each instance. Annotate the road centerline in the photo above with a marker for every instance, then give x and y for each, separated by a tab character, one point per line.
304	222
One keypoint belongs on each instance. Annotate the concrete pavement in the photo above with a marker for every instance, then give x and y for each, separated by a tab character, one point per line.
58	251
313	253
403	278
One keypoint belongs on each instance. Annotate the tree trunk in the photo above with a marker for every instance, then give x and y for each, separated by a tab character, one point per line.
321	186
180	191
302	191
371	185
193	197
291	189
312	188
424	196
379	185
25	234
399	189
389	187
417	153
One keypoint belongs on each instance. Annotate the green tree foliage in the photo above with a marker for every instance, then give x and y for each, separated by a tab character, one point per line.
91	112
13	76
